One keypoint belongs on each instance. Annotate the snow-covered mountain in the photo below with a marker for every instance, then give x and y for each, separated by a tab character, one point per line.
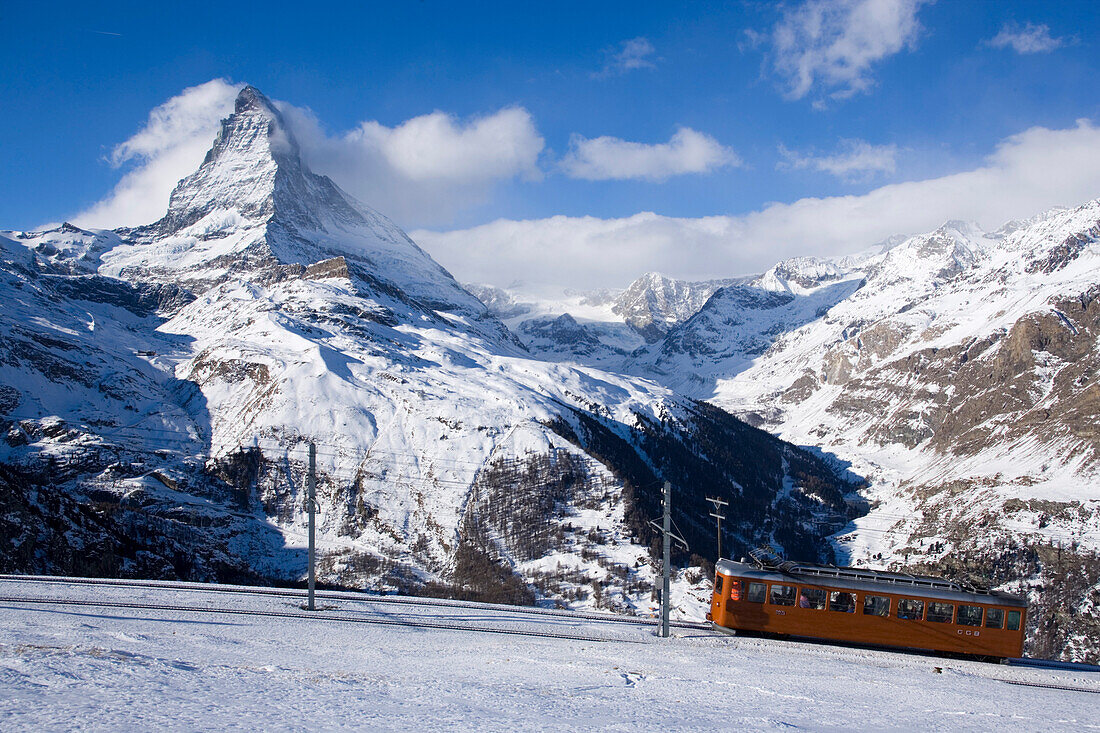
654	303
601	328
158	387
957	371
961	379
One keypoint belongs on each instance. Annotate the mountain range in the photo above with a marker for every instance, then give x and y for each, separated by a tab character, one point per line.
954	370
927	405
159	387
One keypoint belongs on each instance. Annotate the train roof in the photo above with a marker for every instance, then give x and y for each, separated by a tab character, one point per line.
864	579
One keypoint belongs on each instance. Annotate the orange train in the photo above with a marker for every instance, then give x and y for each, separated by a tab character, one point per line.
866	607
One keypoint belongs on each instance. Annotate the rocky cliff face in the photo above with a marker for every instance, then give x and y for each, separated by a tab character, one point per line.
167	379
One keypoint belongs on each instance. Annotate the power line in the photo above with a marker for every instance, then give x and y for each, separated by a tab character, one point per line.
296	445
348	475
411	460
396	459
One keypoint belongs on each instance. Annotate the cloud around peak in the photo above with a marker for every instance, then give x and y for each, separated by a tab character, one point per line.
426	168
421	170
168	147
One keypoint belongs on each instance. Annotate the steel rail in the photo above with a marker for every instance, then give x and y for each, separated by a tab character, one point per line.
1049	686
1052	664
309	616
350	596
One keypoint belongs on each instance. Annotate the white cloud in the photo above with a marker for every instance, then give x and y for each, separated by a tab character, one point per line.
832	44
436	146
632	54
857	160
1026	173
1028	39
170	146
427	168
609	158
421	171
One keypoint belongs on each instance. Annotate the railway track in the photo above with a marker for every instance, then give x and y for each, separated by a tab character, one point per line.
353	596
313	616
1052	664
1049	686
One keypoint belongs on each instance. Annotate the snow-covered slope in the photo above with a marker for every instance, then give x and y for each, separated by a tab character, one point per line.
654	303
176	372
110	668
736	326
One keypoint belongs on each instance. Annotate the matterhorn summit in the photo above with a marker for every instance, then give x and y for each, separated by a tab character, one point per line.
254	206
253	169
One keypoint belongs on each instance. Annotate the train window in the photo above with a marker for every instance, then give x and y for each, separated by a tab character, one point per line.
876	606
941	613
755	593
910	609
735	590
844	602
782	595
812	598
1013	621
718	586
970	616
994	618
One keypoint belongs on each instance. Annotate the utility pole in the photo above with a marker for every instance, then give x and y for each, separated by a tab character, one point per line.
311	502
666	562
718	517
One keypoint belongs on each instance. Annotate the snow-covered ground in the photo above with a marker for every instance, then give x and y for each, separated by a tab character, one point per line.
101	667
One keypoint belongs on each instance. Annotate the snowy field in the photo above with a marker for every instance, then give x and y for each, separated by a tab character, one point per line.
209	663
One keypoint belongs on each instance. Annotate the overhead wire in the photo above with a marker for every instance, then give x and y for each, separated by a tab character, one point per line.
406	460
274	444
411	461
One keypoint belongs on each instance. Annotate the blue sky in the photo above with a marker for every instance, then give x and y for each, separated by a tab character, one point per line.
594	113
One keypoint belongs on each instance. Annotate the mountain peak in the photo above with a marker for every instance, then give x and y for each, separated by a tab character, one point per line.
253	169
254	205
251	99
